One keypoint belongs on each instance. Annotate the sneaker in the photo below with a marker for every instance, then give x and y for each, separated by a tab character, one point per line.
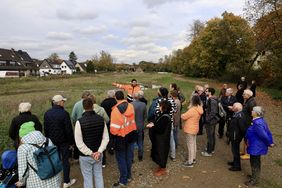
172	158
72	181
189	165
129	180
206	149
104	166
206	154
245	157
118	185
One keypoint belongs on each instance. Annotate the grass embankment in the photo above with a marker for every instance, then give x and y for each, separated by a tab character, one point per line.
39	91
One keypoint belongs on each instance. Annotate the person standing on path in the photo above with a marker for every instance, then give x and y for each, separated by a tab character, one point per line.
130	89
58	127
91	138
123	128
191	128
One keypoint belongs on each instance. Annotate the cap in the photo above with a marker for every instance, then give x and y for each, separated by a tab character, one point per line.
26	128
58	98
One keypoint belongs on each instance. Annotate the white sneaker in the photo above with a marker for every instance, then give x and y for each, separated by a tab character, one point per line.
206	154
72	181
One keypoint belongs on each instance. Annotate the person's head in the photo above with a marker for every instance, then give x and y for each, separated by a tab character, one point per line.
253	81
134	82
59	100
88	104
119	95
195	100
93	98
206	86
136	96
240	86
237	107
199	89
165	106
229	92
257	111
210	91
247	94
224	86
174	93
24	107
173	86
163	92
242	78
111	93
85	94
141	94
26	128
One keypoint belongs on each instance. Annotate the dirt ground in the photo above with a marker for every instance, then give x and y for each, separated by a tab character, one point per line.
211	172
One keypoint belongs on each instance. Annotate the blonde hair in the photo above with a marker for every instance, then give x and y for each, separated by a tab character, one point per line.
24	107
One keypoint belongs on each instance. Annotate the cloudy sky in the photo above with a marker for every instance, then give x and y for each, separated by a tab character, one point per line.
130	30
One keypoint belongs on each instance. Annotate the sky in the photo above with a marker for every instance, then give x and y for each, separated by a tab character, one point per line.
130	30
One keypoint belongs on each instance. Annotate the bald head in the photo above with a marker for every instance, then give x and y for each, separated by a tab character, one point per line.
237	107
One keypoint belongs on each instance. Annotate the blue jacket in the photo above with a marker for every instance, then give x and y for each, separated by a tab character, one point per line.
258	137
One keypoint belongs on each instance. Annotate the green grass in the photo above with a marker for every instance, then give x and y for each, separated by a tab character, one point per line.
39	91
274	93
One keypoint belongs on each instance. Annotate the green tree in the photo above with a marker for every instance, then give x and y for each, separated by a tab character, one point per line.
89	67
54	57
72	57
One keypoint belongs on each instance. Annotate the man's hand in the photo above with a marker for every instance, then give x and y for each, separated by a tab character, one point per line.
96	156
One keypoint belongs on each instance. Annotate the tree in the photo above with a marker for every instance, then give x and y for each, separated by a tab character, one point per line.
90	66
195	29
54	57
72	57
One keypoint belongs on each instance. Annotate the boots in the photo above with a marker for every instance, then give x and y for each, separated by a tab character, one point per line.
160	172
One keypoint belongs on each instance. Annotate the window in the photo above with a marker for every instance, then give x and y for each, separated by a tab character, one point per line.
2	63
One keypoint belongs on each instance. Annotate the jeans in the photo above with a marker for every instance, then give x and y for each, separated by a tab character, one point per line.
89	168
210	129
235	146
221	125
124	159
172	144
65	153
192	147
175	135
140	143
255	166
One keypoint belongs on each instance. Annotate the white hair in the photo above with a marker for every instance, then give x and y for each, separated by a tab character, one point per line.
248	92
229	90
111	93
258	110
24	107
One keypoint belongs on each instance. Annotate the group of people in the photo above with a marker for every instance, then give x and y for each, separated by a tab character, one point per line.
119	123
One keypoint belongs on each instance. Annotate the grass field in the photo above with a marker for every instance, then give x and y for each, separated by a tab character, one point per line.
39	92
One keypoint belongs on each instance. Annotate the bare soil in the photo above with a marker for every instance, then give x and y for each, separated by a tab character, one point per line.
211	172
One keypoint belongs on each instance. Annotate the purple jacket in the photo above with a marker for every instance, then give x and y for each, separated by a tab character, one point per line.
259	137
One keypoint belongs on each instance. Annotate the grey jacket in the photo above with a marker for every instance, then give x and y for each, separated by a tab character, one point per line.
212	111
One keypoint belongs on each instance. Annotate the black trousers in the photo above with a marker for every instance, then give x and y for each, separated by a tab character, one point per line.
210	130
221	125
255	166
235	147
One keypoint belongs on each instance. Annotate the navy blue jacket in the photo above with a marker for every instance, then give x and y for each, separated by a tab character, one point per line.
259	137
57	126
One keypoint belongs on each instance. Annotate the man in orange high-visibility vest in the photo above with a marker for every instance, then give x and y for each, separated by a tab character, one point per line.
123	129
130	89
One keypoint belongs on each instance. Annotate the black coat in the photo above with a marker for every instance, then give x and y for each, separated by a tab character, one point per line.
239	96
57	126
228	101
237	128
18	121
160	138
247	109
107	104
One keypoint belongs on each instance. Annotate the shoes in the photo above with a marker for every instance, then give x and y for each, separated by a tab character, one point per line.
140	158
206	154
230	163
245	157
172	158
206	149
188	165
234	169
251	183
104	166
160	172
129	180
118	185
72	181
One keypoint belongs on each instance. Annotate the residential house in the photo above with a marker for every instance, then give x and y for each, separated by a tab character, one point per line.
27	61
81	67
67	67
49	67
10	64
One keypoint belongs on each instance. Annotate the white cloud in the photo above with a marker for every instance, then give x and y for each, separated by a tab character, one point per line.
153	3
80	15
93	30
110	37
59	36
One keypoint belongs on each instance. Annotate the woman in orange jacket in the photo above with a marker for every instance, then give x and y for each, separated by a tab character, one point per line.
191	128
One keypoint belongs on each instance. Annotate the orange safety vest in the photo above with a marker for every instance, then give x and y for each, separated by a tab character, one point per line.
129	89
122	124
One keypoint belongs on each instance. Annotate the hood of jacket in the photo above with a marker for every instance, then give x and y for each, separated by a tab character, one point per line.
34	137
125	108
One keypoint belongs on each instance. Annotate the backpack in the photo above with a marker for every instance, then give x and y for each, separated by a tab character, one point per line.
8	170
47	160
221	111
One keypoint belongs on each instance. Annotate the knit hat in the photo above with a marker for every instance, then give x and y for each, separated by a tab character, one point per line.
26	128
